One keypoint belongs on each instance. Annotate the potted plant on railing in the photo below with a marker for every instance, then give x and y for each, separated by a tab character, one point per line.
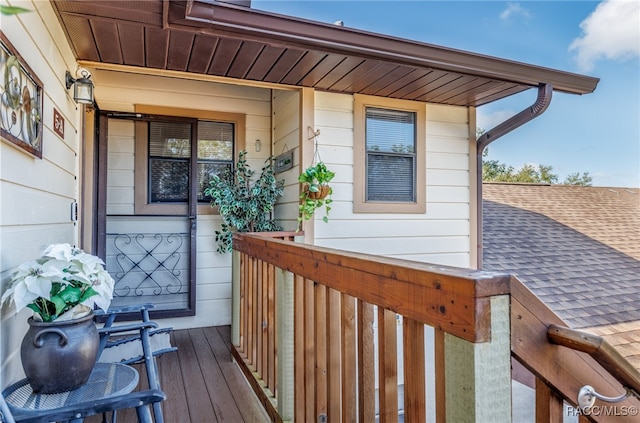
316	191
61	287
244	206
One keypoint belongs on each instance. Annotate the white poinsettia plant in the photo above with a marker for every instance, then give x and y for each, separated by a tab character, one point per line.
64	283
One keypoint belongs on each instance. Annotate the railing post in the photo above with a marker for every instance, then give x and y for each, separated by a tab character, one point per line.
285	338
235	297
478	375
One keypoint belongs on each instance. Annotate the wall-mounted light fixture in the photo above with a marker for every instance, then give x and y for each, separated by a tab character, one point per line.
82	86
258	145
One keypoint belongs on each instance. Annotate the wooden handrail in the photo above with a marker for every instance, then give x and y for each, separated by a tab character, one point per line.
453	299
598	348
561	372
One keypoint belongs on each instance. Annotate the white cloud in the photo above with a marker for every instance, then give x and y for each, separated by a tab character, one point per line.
612	32
488	121
514	9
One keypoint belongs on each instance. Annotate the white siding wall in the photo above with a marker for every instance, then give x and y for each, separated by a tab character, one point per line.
117	91
36	194
441	235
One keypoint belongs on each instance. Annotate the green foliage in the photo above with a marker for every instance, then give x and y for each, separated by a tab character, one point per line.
546	175
584	180
314	178
12	10
244	206
495	171
63	296
531	174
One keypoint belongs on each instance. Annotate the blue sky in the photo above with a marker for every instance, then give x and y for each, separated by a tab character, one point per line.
597	133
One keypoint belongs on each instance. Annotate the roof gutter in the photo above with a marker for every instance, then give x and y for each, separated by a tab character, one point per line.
223	18
545	92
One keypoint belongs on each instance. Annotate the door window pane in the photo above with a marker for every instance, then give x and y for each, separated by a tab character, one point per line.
169	154
215	152
170	139
205	172
169	180
215	140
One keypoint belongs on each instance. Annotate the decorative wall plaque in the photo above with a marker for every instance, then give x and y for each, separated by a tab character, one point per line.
20	100
58	123
283	162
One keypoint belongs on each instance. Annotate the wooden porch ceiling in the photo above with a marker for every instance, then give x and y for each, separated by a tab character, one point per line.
209	37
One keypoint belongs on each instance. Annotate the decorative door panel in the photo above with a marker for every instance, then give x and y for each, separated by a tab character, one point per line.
149	258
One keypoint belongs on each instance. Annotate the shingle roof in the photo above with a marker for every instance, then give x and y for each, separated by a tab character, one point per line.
577	248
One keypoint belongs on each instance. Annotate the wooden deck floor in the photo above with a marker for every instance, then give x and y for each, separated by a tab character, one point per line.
201	381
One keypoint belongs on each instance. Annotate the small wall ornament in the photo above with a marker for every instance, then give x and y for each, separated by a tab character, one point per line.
20	100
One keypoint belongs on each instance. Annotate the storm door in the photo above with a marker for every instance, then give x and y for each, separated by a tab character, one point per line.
155	171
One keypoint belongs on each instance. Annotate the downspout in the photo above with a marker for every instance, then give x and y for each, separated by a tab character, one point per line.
545	92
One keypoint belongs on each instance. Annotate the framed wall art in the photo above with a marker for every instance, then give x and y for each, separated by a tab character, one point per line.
20	100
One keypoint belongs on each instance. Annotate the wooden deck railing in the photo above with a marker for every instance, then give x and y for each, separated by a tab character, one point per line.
319	328
332	336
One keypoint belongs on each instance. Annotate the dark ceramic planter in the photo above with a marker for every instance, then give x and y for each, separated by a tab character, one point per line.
59	356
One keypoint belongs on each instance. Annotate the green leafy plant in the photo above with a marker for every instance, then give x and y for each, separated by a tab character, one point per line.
64	283
244	206
316	192
12	10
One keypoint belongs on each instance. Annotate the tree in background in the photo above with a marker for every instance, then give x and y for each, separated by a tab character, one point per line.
496	171
577	179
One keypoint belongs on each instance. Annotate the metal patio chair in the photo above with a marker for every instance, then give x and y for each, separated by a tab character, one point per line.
135	341
77	412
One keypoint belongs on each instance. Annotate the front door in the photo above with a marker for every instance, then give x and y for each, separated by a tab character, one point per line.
151	174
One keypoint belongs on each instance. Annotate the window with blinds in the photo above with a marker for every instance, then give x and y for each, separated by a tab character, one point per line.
170	158
390	139
215	152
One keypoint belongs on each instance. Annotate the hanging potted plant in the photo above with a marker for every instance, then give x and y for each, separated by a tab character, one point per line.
61	287
244	205
316	191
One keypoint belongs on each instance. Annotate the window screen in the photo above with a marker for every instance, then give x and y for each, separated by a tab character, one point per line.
391	158
170	157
